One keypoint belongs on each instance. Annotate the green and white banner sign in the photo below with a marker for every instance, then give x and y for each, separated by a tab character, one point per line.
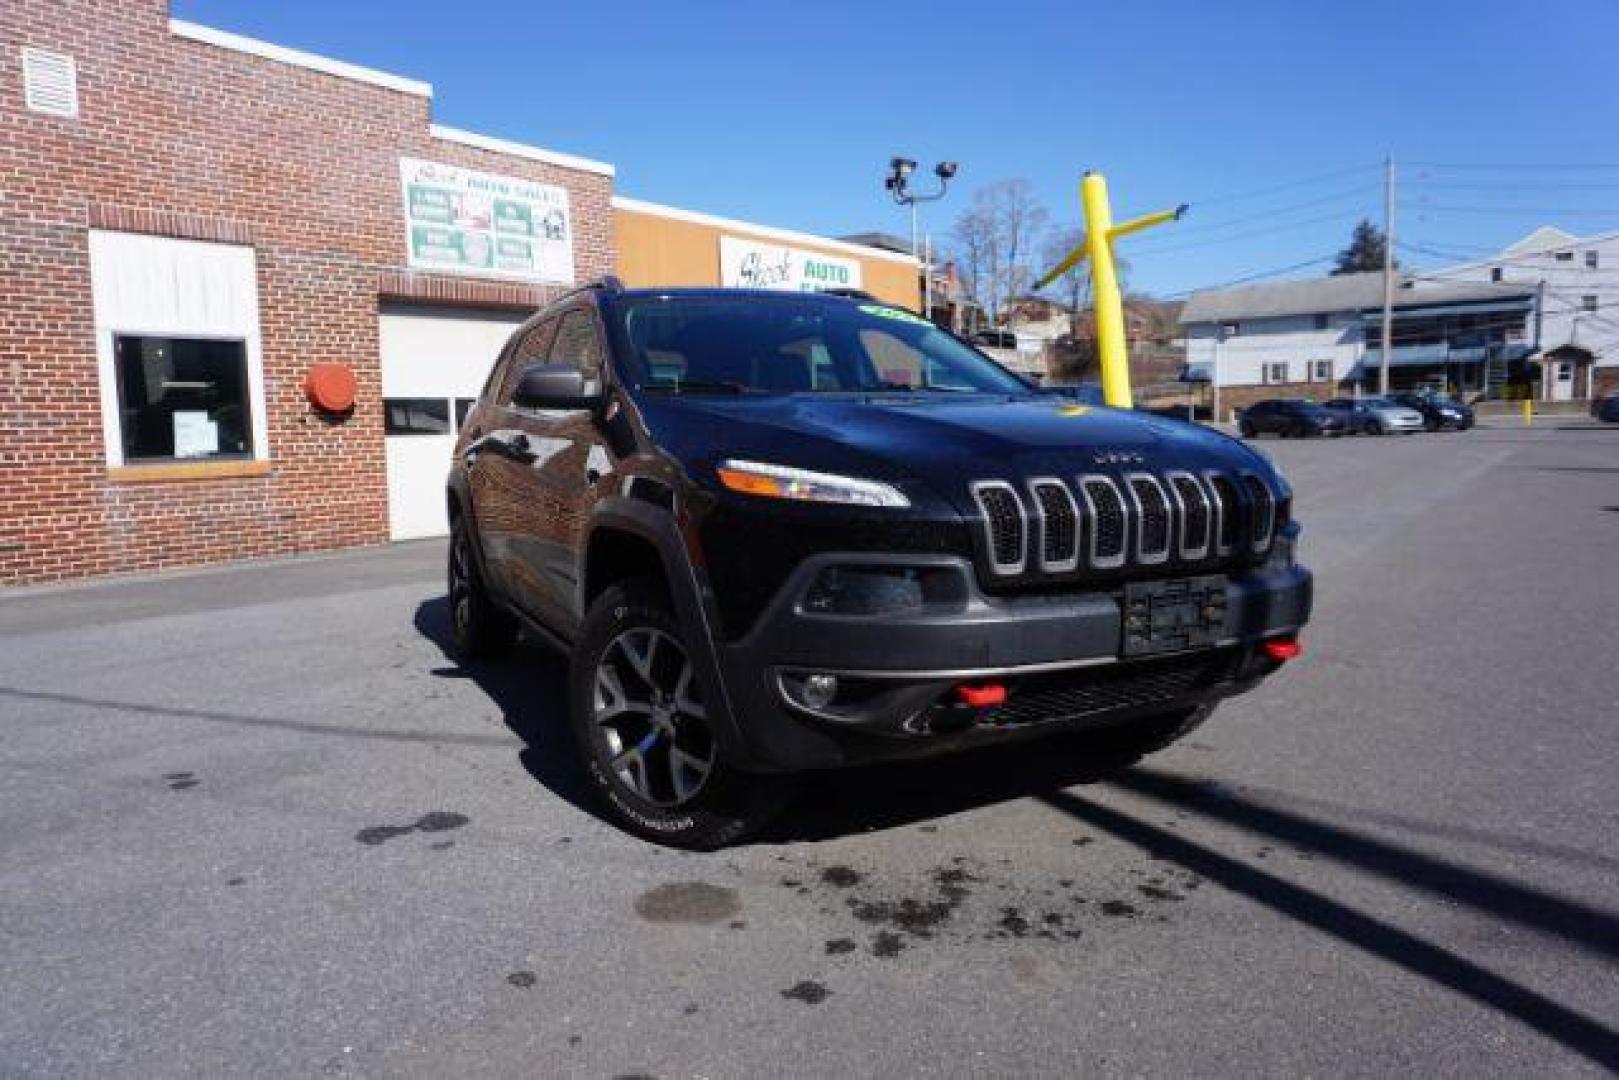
467	222
749	264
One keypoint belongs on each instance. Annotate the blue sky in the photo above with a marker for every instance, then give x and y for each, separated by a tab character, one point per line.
788	114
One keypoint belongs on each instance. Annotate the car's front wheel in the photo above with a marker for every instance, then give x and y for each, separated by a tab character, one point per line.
645	732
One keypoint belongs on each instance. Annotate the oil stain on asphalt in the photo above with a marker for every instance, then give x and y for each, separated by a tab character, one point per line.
688	902
807	991
181	781
437	821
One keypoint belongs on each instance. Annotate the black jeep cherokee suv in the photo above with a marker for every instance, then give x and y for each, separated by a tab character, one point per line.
779	532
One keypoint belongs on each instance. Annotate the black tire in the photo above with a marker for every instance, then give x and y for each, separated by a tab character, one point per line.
479	627
1248	430
1375	428
671	784
1136	739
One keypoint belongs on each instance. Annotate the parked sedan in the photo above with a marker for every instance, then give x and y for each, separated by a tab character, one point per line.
1375	416
1607	409
1298	418
1438	412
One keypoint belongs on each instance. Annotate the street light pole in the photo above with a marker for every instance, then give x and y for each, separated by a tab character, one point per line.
898	183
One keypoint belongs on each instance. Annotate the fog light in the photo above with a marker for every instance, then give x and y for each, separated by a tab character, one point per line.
862	590
819	691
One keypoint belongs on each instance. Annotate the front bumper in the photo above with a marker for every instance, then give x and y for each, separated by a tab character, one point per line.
900	669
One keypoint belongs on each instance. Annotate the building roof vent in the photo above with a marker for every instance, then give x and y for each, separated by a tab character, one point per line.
50	82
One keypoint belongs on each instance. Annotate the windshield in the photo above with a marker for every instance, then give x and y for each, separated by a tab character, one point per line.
796	345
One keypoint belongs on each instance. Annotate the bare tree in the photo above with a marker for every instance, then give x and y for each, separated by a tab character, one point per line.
996	237
974	240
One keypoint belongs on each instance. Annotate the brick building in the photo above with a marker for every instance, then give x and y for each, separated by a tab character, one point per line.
189	222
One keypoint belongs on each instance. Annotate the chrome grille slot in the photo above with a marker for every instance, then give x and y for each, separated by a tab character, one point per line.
1262	518
1195	513
1003	524
1153	519
1057	525
1104	507
1226	506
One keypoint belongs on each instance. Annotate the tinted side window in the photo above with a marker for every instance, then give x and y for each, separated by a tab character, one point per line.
530	349
578	344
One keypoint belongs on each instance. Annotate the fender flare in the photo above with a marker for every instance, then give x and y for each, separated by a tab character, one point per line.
658	527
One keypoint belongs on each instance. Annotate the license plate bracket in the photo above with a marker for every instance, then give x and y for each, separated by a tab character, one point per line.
1172	616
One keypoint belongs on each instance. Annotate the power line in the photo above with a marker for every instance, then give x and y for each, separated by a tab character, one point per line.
1284	226
1507	185
1539	211
1256	193
1248	277
1200	228
1514	165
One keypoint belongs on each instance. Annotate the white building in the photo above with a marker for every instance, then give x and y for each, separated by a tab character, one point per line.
1576	282
1461	328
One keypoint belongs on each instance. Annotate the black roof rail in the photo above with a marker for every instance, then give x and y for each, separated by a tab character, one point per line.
606	283
852	294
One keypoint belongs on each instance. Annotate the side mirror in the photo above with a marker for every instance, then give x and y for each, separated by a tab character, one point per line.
555	386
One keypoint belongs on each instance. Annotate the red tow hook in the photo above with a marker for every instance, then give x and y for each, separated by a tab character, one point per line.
1280	649
982	695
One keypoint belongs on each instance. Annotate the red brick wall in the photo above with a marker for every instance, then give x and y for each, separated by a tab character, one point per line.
221	145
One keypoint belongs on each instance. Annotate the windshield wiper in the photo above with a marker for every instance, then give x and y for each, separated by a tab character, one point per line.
703	386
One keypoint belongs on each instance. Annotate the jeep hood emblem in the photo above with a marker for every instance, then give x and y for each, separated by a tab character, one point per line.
1117	457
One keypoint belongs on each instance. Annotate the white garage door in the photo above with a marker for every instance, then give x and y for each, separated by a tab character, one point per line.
434	362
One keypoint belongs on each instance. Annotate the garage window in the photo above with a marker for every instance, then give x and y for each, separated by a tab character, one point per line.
182	398
416	416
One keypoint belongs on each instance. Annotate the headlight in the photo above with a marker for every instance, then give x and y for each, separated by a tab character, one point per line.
786	482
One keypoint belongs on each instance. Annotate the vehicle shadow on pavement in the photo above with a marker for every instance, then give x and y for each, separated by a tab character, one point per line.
530	687
889	796
1588	928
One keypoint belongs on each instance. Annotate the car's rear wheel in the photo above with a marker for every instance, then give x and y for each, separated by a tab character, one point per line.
1375	427
1248	430
478	626
645	732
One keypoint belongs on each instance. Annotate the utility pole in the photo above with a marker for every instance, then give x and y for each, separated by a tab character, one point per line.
1540	324
1388	274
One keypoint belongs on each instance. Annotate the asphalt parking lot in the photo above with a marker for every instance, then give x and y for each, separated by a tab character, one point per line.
256	822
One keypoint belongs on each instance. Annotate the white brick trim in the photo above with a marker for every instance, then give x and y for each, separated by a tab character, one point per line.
517	149
297	58
636	206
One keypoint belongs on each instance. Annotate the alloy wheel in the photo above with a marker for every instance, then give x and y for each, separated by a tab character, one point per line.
461	587
649	720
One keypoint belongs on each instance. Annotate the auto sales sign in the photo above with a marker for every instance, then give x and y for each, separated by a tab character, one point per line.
469	222
749	264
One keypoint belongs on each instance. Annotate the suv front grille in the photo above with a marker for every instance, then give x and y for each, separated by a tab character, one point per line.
1152	519
1094	522
1059	525
1196	515
1003	515
1107	517
1225	508
1263	519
